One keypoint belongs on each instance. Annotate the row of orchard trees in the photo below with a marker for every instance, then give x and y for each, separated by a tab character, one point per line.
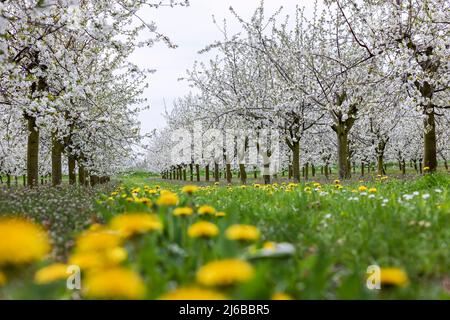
66	87
356	83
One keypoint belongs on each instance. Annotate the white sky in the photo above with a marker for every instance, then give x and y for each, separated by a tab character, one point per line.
192	29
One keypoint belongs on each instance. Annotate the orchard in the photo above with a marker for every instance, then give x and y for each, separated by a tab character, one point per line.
307	160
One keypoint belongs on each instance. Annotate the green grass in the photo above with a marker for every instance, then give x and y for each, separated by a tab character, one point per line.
336	234
346	235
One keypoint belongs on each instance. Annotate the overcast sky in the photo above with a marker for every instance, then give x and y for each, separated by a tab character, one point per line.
191	28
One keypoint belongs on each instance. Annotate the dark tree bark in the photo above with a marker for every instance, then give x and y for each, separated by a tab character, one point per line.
242	173
32	153
72	174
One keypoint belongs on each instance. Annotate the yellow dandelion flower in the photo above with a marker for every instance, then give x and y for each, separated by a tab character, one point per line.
206	210
337	181
130	224
281	296
307	189
189	189
426	168
193	293
116	283
22	242
167	198
97	240
242	232
393	277
2	278
220	214
373	190
51	273
183	211
99	259
96	227
145	201
225	272
362	188
269	245
203	229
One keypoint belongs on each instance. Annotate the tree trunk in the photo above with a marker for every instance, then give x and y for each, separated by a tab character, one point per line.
242	173
290	171
255	173
307	171
191	171
24	180
343	154
430	156
197	172
56	161
184	174
216	172
32	153
72	174
228	173
81	174
296	161
8	180
266	177
94	180
362	169
327	171
380	165
403	167
207	173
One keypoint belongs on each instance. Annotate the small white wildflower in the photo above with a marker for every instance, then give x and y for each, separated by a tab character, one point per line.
425	196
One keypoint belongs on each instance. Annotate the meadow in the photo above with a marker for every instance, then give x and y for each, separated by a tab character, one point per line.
144	238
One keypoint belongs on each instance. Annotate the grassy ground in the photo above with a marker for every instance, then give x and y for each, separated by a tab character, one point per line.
405	224
336	233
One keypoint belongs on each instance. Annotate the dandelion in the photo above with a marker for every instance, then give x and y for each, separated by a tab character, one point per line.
2	279
116	283
281	296
269	245
51	273
373	190
203	229
189	189
394	277
220	214
225	272
97	240
307	189
145	201
95	260
242	232
426	169
206	210
22	242
135	223
193	293
167	198
183	211
362	188
337	181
